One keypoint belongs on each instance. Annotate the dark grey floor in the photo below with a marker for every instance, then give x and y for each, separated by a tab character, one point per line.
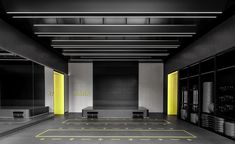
74	130
7	125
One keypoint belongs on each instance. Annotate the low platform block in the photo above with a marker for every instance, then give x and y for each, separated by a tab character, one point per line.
115	113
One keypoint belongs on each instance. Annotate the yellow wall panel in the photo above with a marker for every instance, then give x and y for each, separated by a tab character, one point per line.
58	93
172	93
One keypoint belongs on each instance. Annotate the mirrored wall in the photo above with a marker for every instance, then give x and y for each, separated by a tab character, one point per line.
22	92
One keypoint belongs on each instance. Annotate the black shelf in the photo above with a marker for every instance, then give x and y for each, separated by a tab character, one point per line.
218	69
207	65
184	78
207	73
226	68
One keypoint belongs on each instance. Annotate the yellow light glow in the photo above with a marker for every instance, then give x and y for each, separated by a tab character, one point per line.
172	98
58	93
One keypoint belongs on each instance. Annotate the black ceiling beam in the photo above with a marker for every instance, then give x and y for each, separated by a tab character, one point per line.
112	6
114	30
115	43
114	47
16	42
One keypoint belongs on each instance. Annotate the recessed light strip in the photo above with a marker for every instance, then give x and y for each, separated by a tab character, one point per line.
114	50
114	25
69	40
94	47
115	45
7	54
20	59
109	35
115	54
78	33
154	17
113	59
95	13
117	57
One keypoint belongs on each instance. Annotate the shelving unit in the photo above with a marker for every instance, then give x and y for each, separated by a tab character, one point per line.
207	93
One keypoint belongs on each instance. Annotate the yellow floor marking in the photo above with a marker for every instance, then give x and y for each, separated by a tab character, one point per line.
133	130
191	136
42	139
130	123
55	139
130	139
145	139
149	137
115	139
38	135
175	139
71	139
84	120
85	139
66	121
100	139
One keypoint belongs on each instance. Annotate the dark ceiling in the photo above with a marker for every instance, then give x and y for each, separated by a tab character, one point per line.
98	30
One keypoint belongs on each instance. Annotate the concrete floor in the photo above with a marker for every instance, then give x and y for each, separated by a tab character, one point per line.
74	130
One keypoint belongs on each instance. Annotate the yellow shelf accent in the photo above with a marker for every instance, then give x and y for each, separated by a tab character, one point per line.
172	93
58	93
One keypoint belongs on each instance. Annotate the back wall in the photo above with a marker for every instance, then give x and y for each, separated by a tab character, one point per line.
150	87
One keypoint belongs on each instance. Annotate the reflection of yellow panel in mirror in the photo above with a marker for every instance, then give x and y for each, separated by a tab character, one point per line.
58	93
50	93
82	93
172	93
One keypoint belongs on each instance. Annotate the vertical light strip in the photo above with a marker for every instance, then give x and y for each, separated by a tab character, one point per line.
58	93
172	93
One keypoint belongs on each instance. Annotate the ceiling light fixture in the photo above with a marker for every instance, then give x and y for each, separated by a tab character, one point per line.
154	17
96	13
78	33
115	54
109	35
115	45
124	40
114	50
114	25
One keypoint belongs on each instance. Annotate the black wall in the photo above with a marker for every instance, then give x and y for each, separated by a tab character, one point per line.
115	85
21	84
217	40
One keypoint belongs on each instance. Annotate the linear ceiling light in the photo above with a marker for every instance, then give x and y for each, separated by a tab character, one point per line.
115	54
78	33
7	54
117	57
154	17
173	12
113	59
115	45
109	35
114	50
124	25
124	40
14	59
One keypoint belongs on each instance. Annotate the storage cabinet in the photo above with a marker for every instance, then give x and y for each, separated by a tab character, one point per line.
207	93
